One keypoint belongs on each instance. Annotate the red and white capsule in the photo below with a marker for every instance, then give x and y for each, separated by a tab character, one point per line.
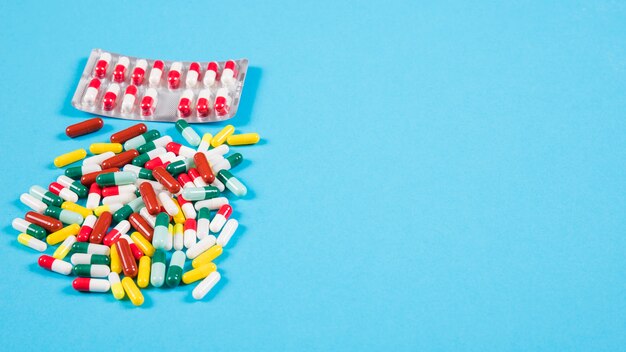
85	230
137	253
185	180
160	160
110	97
156	73
189	234
229	74
87	284
196	178
139	72
57	265
117	190
94	196
187	207
173	76
211	75
116	233
220	218
119	71
185	104
91	93
149	102
222	102
193	75
100	70
130	96
180	149
203	105
63	192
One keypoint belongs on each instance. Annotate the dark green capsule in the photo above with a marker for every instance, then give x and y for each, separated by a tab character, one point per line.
48	198
91	270
175	270
64	215
234	159
178	167
136	142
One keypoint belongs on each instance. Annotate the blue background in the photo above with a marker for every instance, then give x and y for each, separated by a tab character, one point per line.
433	176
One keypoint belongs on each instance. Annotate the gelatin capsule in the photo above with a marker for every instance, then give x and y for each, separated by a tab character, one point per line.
137	141
129	265
173	77
85	127
175	269
203	105
232	183
197	193
222	149
185	181
243	139
178	237
120	159
73	207
150	198
111	208
188	133
187	207
117	190
205	143
119	71
100	227
64	249
179	166
158	142
222	102
207	256
31	242
203	167
229	74
85	284
143	244
229	162
134	249
168	204
124	212
211	204
91	270
63	192
193	75
142	226
71	157
116	178
210	75
66	216
73	185
179	149
33	203
157	272
132	291
179	217
142	159
98	159
189	233
206	285
139	72
201	246
221	137
85	230
203	224
50	224
86	258
90	248
109	101
185	104
220	218
116	262
56	265
156	73
77	172
151	219
149	102
164	177
141	173
199	273
116	286
62	234
143	275
128	133
90	178
91	92
227	232
99	148
102	65
112	236
161	160
159	238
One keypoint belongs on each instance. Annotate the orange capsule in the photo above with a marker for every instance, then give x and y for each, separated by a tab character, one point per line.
149	198
129	265
128	133
120	159
101	227
141	225
203	167
166	179
85	127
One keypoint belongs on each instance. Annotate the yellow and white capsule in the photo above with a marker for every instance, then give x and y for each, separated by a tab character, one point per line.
77	209
207	256
32	242
116	263
205	143
116	286
64	248
199	273
62	234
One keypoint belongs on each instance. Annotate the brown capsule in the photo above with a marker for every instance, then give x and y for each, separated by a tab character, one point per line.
204	168
166	179
101	227
85	127
128	133
129	264
149	198
120	159
141	225
90	178
48	223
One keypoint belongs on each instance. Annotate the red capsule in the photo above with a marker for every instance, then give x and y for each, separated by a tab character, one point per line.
137	253
173	77
48	223
166	179
87	284
120	159
128	133
203	167
149	198
85	127
100	70
100	227
110	97
139	72
141	225
129	265
184	180
119	71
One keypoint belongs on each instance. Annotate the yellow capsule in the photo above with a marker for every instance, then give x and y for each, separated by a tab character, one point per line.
68	158
64	249
143	273
32	242
243	139
142	243
116	263
101	209
132	291
207	256
179	218
116	286
222	135
99	148
199	273
62	234
77	209
206	139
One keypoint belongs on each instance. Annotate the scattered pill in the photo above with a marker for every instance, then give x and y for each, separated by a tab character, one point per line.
85	127
206	285
69	158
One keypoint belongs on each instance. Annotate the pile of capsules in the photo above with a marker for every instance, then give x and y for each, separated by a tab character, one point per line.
145	196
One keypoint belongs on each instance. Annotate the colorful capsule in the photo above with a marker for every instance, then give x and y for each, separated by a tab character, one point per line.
207	256
91	92
137	141
50	224
99	148
210	75
112	236
111	208
84	212
73	185
188	133
102	65
175	269
33	203
203	224
221	149
164	177
243	139
91	270
149	101
143	243
229	162
86	258
124	212
211	204
227	232
120	159
132	291
117	190
157	272
116	286
196	178
119	71
156	73
141	172
134	249
128	133
187	207
116	262
218	184
142	159
65	193
179	217
66	216
118	200
85	284
206	285
149	198
185	181
232	183
98	159
220	218
139	72
110	97
85	127
168	203
85	230
90	178
31	242
193	75
221	137
200	193
71	157
203	105
160	160
129	265
178	239
90	248
158	142
64	249
159	238
229	74
100	227
203	167
169	241
205	143
222	102
94	196
179	149
77	172
173	77
199	273
185	104
62	234
56	265
116	178
201	246
151	219
189	233
143	274
178	166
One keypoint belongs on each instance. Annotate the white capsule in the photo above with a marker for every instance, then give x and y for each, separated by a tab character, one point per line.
168	204
212	204
227	232
68	195
186	152
217	222
162	141
20	225
91	92
123	198
99	285
94	248
202	228
189	211
193	75
35	204
220	165
156	73
218	184
199	182
98	159
189	238
210	75
219	150
61	267
81	258
185	104
206	285
93	200
201	246
178	238
151	219
169	240
123	227
99	270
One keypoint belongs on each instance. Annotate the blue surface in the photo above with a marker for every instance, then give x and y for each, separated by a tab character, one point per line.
433	176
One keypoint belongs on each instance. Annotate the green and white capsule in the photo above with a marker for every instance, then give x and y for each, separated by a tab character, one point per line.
179	166
131	207
26	227
77	172
119	178
142	139
74	186
98	159
91	270
175	270
45	196
140	172
232	183
157	271
35	204
200	193
142	159
66	216
228	162
86	258
159	142
91	248
161	233
190	135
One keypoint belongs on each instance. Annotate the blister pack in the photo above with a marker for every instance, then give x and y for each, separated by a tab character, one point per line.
154	90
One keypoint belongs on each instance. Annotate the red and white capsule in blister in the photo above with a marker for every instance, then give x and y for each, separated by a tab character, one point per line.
229	74
222	102
203	106
173	77
91	93
85	230
110	97
210	76
149	102
130	96
119	72
193	75
220	218
100	70
185	104
156	73
139	72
